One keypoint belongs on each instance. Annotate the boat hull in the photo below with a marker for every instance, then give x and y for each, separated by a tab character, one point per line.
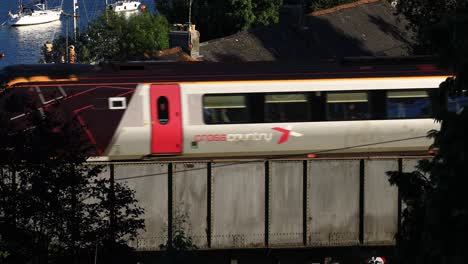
125	6
41	17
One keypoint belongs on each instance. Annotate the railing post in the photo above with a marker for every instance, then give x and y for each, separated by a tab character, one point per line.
267	203
169	206
304	202
208	204
112	202
361	200
400	170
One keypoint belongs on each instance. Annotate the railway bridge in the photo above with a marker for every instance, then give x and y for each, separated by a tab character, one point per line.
307	203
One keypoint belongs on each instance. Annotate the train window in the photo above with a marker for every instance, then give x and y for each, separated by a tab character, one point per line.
408	104
116	103
286	107
347	106
163	110
225	109
457	104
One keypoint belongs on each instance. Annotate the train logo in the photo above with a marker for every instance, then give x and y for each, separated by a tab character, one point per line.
286	133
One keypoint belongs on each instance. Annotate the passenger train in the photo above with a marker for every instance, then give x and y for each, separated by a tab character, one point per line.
134	111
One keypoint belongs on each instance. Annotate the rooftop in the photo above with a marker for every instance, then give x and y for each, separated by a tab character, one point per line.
363	28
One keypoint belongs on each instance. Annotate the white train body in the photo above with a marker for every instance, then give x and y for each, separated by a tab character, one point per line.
133	137
212	111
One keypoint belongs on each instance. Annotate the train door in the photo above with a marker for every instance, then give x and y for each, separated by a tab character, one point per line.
166	119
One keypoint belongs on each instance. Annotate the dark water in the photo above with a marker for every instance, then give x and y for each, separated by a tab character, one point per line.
23	44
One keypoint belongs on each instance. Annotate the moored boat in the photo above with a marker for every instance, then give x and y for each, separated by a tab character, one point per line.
38	13
124	6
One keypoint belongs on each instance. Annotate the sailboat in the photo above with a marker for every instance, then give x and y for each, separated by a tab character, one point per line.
37	13
124	6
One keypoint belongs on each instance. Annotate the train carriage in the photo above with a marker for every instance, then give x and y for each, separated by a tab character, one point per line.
205	110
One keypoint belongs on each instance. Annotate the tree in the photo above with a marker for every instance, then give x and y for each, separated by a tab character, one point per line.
436	214
54	207
267	12
435	221
219	18
113	37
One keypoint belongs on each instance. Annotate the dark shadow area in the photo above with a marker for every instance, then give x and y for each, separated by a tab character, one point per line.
227	57
317	41
348	255
365	30
390	29
280	42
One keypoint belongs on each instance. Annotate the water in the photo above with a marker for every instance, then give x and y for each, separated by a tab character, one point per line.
22	45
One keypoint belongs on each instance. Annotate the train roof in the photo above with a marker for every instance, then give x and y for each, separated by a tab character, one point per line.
144	72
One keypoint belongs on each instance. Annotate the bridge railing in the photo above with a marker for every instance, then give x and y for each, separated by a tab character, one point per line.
260	204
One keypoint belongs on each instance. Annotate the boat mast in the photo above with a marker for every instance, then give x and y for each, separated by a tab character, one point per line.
75	16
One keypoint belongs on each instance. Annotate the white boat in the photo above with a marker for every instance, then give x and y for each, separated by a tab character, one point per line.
38	13
124	6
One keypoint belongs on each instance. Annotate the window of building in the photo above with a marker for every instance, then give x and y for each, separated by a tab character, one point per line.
347	106
225	109
408	104
163	110
286	107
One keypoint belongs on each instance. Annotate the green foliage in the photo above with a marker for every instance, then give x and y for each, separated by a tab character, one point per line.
424	16
181	241
182	246
3	253
219	18
441	28
240	14
267	12
53	206
436	218
315	5
113	37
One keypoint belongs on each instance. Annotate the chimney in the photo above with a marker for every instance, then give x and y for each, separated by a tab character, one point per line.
186	37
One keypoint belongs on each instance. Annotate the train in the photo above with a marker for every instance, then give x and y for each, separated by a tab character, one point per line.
199	110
